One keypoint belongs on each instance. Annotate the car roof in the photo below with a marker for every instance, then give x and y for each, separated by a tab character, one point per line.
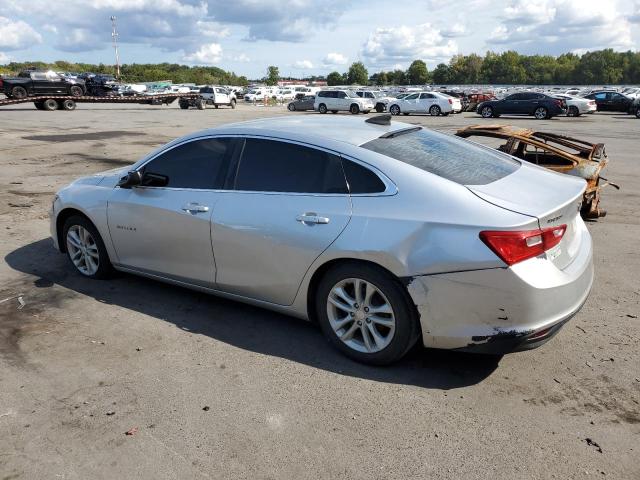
354	131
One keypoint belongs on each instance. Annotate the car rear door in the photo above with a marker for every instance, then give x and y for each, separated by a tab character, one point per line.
288	204
163	227
411	103
425	101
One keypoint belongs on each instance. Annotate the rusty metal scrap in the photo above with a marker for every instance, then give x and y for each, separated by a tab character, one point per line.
559	153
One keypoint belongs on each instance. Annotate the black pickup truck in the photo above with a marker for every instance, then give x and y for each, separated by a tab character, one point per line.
37	83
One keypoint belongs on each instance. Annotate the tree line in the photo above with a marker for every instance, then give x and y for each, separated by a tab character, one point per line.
139	72
511	68
592	68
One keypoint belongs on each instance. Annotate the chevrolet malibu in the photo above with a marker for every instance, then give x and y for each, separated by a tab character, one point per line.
383	233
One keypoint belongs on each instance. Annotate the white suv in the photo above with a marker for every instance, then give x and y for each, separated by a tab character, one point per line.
379	99
217	96
341	100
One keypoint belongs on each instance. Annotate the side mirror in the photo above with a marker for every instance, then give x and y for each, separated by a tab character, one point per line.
131	179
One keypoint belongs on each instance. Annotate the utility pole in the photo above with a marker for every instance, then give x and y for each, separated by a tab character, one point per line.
114	35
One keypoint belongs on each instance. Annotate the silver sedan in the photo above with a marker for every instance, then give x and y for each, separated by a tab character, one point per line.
383	233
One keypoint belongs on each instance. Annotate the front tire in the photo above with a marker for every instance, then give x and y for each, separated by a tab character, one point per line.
322	108
18	92
486	112
233	104
366	313
573	111
85	248
434	111
394	110
291	107
637	112
379	107
76	91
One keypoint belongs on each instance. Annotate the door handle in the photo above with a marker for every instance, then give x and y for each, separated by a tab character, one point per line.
195	208
312	219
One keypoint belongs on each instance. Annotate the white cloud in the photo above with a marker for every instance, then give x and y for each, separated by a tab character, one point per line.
4	58
387	46
635	16
557	26
207	54
15	35
212	29
456	30
334	58
241	58
303	64
77	39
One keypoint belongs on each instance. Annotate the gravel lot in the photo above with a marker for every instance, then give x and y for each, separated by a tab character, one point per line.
217	389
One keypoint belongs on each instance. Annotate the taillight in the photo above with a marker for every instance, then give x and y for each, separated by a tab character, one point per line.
515	246
559	103
450	101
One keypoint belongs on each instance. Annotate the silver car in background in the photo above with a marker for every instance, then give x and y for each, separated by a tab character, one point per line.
382	232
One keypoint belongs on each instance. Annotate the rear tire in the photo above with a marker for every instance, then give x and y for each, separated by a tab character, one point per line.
88	246
541	113
573	111
379	108
322	108
377	339
50	105
183	105
637	112
434	111
39	105
354	109
68	105
201	104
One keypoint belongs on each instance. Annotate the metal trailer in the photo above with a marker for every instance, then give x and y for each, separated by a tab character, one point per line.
66	102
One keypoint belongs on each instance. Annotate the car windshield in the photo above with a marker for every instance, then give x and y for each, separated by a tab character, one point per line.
446	156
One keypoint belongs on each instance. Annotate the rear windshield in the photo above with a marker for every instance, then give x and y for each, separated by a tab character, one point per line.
446	156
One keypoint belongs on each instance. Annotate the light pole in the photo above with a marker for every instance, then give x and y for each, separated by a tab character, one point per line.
114	35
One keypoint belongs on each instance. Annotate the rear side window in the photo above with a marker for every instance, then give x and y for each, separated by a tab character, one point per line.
273	166
446	156
323	94
198	164
361	179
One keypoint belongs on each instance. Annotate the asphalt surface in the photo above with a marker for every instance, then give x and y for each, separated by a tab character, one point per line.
217	389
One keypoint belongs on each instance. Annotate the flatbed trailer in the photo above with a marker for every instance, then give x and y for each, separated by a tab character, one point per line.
66	102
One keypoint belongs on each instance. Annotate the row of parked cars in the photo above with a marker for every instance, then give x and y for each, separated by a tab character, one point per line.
364	101
538	104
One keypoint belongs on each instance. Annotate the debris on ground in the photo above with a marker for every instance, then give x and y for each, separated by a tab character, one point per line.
631	315
110	412
593	444
206	408
131	431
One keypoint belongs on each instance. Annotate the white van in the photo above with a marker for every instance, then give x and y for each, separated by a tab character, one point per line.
341	100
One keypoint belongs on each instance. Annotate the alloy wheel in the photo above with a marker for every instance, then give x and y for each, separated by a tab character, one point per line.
83	250
360	315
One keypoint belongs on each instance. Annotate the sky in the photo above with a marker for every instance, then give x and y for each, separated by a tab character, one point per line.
309	37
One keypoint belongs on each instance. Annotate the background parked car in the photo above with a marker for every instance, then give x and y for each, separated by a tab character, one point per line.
608	101
433	103
33	82
576	106
217	96
341	101
379	99
537	104
301	104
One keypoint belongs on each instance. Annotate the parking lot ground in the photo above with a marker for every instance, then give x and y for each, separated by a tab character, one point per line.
217	389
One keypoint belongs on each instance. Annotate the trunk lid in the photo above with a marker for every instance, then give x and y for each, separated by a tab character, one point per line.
554	199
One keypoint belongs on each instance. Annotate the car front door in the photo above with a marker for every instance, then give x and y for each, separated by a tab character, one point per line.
509	104
410	103
289	203
163	226
40	84
340	101
222	96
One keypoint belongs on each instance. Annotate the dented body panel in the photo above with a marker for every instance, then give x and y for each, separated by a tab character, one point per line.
463	310
559	153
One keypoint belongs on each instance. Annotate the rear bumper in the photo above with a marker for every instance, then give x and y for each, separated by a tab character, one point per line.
503	309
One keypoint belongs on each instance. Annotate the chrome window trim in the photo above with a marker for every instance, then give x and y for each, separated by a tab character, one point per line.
390	187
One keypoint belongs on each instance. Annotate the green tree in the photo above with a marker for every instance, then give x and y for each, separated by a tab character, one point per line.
417	73
442	74
357	74
334	78
273	75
